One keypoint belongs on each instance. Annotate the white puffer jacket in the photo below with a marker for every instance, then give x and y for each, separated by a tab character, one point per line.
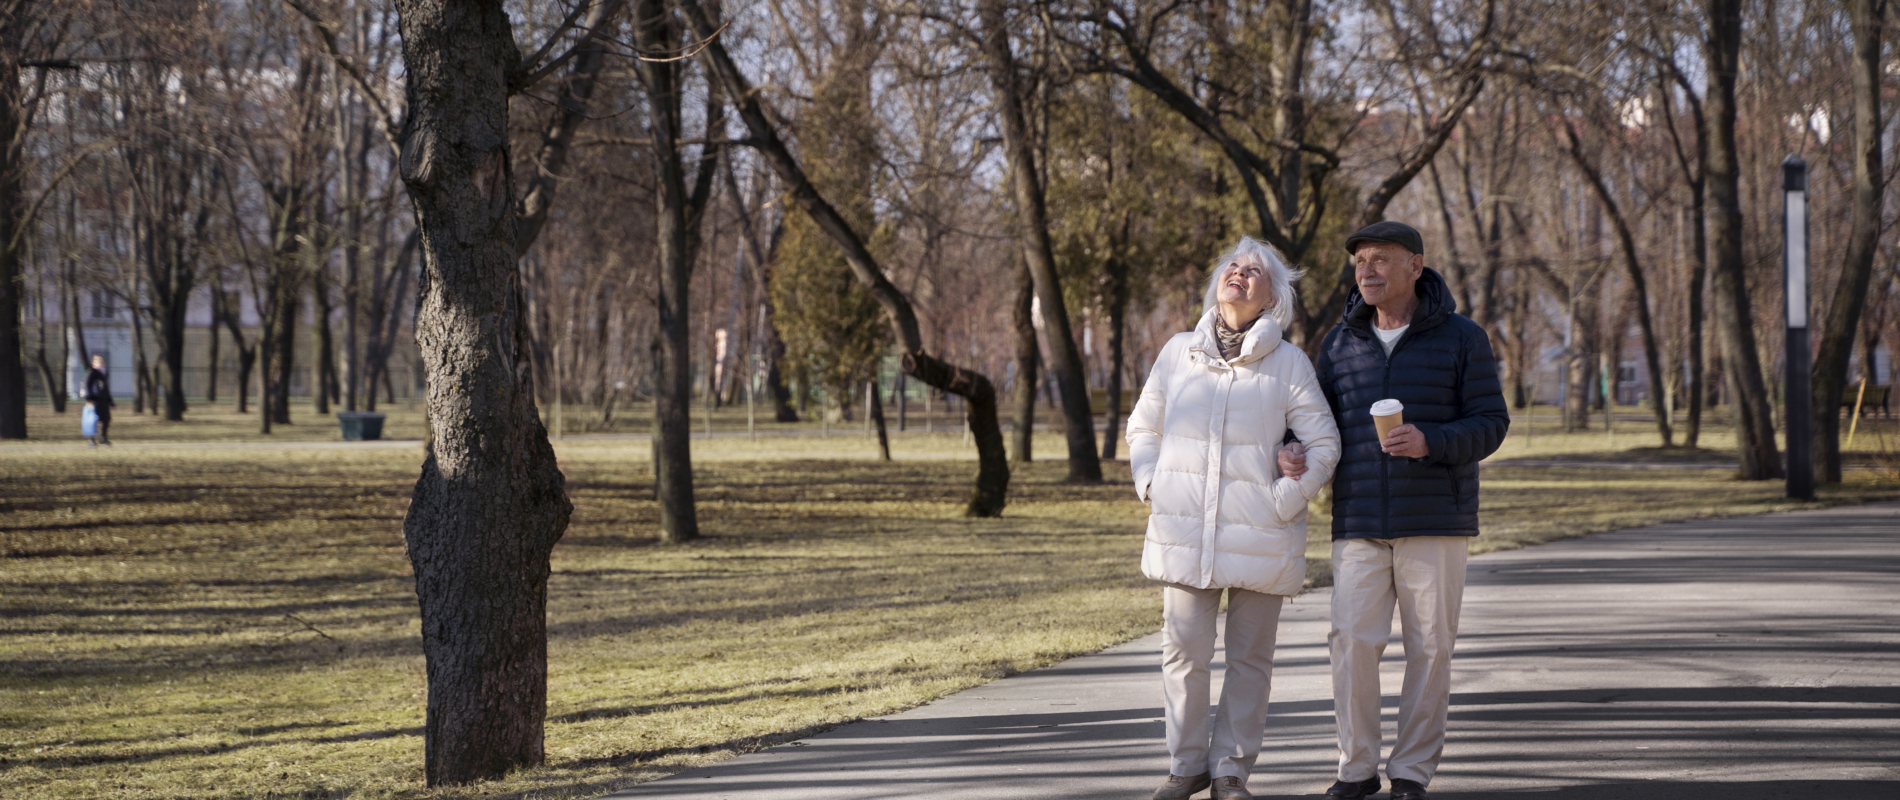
1203	443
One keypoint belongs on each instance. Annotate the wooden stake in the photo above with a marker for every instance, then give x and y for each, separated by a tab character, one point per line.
1859	397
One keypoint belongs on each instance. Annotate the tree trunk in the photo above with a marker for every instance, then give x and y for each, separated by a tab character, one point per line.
283	361
52	379
490	503
774	352
1577	369
12	372
677	239
1840	329
1117	315
78	358
385	321
875	406
1026	189
1698	276
1734	322
325	369
989	495
211	357
222	312
170	303
266	351
1028	360
141	370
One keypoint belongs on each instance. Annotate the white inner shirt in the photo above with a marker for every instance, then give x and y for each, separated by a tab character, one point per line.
1391	337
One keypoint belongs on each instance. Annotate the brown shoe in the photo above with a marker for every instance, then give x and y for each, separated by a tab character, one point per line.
1231	788
1179	788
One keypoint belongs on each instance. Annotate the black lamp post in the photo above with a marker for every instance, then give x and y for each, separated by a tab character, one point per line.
1794	251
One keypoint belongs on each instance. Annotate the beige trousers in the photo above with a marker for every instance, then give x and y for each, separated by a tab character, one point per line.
1424	576
1187	649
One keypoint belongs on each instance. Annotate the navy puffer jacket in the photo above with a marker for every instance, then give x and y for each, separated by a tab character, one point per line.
1443	370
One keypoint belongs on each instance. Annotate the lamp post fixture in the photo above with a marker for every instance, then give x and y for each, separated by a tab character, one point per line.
1794	252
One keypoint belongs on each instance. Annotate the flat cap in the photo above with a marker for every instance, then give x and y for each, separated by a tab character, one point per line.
1397	233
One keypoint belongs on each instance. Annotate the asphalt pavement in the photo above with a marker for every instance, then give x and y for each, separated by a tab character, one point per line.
1755	658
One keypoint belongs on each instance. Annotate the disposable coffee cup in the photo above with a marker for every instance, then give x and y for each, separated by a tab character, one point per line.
1386	415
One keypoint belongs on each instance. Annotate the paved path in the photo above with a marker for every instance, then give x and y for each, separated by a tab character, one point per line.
1742	659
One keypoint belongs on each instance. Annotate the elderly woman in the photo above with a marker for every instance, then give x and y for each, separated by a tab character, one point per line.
1202	443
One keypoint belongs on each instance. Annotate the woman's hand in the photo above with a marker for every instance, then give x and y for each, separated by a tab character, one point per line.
1293	460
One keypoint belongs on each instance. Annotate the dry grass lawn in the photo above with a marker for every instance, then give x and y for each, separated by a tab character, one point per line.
239	620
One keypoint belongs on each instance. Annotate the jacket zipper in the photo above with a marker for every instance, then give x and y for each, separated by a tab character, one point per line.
1385	460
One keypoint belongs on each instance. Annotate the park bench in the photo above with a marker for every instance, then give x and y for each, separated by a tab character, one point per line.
1875	399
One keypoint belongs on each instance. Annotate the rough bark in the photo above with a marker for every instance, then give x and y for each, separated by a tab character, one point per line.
490	504
1734	322
1028	361
12	371
1032	230
989	495
1863	241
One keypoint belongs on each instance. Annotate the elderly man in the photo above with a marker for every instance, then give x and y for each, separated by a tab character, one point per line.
1402	505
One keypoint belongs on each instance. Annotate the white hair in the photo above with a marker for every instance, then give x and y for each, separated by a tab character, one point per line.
1280	277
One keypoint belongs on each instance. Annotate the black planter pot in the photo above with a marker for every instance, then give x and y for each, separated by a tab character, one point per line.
360	426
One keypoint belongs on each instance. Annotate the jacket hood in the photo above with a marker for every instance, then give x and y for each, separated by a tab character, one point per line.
1261	339
1435	304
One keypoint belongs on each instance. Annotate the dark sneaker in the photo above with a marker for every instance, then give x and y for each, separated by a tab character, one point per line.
1179	788
1231	788
1348	790
1403	789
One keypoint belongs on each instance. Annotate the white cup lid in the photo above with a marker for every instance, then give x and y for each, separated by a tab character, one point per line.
1386	408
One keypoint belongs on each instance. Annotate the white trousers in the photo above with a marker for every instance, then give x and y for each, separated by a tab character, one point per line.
1424	576
1187	648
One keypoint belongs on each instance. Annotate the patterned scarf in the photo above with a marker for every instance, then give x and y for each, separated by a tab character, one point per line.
1230	338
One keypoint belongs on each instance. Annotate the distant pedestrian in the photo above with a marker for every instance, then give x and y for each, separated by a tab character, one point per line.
97	417
1406	500
1201	443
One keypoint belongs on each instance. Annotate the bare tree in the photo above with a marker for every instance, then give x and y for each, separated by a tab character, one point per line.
1633	270
1734	321
1850	294
15	20
658	33
1027	190
992	482
490	504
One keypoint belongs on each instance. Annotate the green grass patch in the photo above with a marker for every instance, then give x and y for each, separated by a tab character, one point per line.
240	620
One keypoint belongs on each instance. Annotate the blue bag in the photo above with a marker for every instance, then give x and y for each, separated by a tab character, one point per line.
89	422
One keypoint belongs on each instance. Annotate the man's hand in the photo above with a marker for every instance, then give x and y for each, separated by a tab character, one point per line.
1293	460
1406	441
